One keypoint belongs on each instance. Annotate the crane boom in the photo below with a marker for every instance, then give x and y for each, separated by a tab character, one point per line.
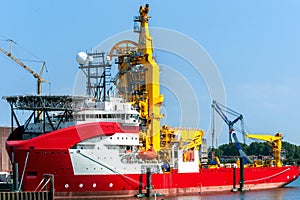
221	110
274	141
239	147
34	74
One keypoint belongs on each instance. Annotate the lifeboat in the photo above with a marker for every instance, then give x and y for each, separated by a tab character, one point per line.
149	154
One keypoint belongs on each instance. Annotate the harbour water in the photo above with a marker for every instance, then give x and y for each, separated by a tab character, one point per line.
289	192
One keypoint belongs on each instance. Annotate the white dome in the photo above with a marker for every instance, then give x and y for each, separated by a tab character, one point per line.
81	58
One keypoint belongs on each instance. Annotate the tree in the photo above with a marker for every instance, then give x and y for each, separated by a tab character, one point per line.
292	152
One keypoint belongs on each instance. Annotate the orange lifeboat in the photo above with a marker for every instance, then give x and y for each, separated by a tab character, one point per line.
149	154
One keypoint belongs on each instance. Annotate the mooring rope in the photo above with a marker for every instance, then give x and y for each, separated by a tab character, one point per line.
114	171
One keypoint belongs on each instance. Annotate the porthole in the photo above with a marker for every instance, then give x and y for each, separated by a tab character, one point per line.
66	185
81	185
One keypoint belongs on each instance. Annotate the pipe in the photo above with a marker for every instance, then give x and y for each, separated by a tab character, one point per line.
15	176
234	179
241	174
149	183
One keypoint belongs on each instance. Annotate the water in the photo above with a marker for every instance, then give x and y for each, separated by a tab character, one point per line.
289	192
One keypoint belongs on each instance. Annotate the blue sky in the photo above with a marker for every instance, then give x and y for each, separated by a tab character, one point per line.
254	44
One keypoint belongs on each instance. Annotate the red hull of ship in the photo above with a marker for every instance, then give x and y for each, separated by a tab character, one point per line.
49	154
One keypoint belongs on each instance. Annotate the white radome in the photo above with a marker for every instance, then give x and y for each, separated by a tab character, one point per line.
81	58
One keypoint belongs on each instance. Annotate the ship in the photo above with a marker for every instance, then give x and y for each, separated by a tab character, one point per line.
110	143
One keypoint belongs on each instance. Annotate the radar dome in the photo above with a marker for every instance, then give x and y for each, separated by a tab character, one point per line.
81	58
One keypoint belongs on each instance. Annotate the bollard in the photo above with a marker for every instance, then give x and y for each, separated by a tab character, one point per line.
149	183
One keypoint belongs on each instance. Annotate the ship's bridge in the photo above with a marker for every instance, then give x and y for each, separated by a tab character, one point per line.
114	110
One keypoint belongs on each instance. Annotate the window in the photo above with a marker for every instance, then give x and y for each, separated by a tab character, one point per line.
32	173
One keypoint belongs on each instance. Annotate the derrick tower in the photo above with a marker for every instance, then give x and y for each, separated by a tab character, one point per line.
138	81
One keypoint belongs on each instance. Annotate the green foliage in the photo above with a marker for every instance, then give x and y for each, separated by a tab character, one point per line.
259	148
228	150
291	152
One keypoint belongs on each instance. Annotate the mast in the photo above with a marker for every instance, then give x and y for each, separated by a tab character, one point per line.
98	74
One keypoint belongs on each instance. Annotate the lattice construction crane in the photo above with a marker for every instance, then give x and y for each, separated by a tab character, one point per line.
39	78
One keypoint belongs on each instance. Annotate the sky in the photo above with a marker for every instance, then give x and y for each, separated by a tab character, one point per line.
253	44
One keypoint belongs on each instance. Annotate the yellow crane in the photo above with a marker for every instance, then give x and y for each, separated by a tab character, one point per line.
195	142
274	141
152	82
39	78
138	82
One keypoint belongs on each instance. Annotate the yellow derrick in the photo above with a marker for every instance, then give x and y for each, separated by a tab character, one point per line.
152	82
274	142
138	82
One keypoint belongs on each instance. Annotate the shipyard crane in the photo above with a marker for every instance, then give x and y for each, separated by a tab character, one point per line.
274	141
222	110
39	78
